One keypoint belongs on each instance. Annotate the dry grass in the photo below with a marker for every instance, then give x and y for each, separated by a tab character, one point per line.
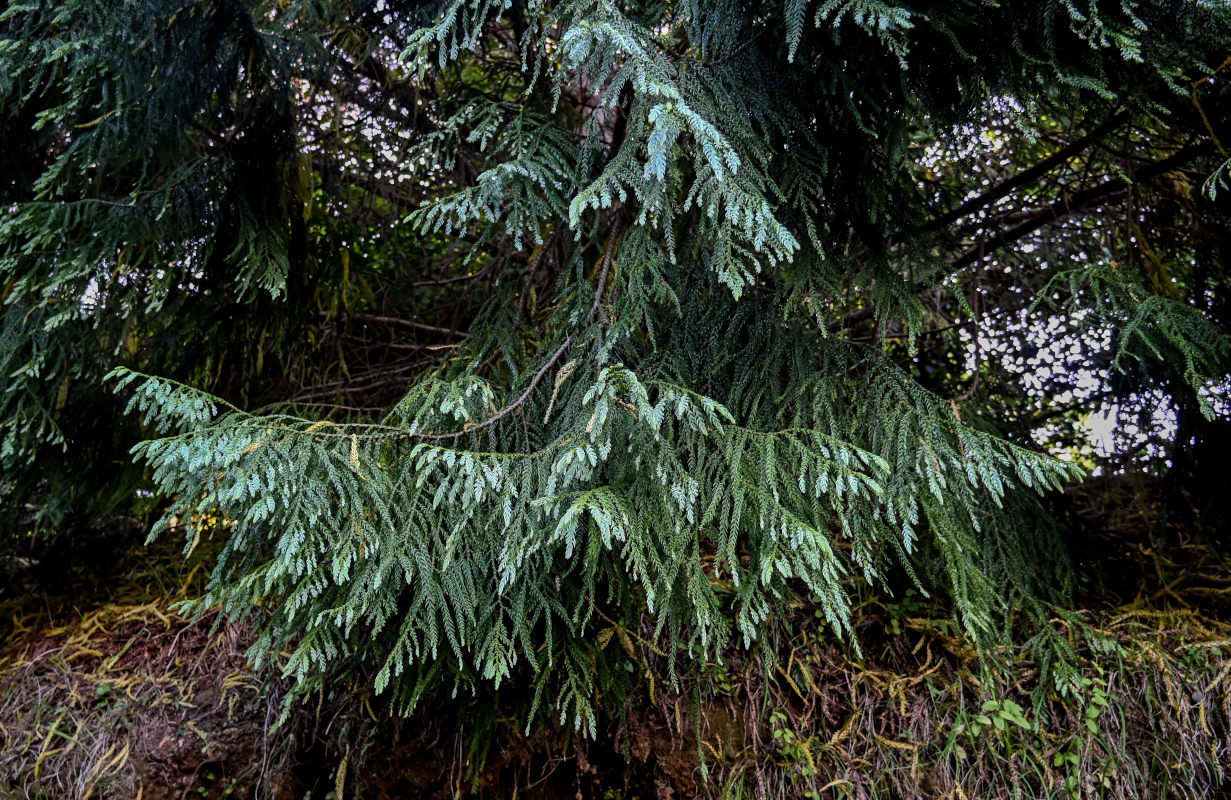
123	698
127	699
1141	710
1146	714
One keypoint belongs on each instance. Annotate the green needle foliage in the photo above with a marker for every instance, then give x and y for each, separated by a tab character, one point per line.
472	326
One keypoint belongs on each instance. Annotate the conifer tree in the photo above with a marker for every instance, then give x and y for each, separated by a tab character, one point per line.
486	327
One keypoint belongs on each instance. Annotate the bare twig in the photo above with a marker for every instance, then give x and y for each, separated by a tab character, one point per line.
604	271
1027	176
406	323
1069	204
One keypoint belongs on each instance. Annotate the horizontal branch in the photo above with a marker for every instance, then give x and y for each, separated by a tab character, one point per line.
406	323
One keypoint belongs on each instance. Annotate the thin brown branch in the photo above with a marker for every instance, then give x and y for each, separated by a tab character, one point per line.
604	271
368	382
447	281
406	323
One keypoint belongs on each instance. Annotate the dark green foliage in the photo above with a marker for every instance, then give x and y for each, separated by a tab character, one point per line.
611	304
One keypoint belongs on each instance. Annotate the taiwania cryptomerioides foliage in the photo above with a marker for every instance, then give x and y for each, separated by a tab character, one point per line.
510	322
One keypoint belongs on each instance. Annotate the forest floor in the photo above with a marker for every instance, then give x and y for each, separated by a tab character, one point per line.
106	691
